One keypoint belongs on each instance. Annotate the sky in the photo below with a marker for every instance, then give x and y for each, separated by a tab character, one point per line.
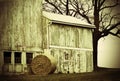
109	52
109	49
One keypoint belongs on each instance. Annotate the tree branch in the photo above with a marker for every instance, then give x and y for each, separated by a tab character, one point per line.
78	6
61	1
86	17
115	34
113	26
110	6
101	3
54	6
105	32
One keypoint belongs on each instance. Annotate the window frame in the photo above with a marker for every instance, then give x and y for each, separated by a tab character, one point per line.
18	60
29	57
7	60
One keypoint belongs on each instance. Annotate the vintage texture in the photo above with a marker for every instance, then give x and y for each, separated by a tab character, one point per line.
20	24
20	31
70	44
26	32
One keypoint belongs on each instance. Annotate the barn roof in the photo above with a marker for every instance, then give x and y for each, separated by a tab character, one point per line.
67	20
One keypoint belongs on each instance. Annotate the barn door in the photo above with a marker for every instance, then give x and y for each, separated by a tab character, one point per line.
29	57
18	65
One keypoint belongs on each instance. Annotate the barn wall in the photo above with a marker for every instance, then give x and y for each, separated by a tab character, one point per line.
20	29
17	68
72	47
20	24
73	61
46	23
68	36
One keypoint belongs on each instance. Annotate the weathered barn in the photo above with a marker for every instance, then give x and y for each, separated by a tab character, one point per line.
25	33
70	41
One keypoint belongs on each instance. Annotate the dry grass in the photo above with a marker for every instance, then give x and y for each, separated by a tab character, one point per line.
94	76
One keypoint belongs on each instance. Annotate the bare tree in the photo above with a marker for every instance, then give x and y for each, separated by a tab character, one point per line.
100	17
97	12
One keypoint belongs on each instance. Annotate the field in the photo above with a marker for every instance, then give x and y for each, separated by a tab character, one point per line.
92	76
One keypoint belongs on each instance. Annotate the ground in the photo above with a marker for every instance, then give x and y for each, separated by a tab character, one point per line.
91	76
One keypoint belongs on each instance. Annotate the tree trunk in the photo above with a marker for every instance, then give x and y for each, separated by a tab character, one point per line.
67	7
96	34
95	50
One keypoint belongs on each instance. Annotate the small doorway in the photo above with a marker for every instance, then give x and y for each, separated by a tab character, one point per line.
29	57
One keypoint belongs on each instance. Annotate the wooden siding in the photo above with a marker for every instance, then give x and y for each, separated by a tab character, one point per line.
20	24
72	47
73	61
46	24
68	36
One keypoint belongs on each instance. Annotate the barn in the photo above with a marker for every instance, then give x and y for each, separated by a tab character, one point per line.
20	34
26	31
70	41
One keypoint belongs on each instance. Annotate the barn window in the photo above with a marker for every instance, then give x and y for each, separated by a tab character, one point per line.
17	57
29	58
66	56
7	57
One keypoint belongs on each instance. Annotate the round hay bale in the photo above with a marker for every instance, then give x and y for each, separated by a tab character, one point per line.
43	64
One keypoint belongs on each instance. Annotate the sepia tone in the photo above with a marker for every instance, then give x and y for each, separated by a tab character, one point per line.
41	46
26	30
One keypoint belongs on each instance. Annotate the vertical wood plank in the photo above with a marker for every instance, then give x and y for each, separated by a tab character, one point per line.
77	59
89	61
20	23
62	36
45	32
82	61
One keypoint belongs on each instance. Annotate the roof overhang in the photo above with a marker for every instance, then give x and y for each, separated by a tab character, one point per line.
73	24
66	20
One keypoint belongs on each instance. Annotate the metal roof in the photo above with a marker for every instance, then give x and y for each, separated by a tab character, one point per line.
67	20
